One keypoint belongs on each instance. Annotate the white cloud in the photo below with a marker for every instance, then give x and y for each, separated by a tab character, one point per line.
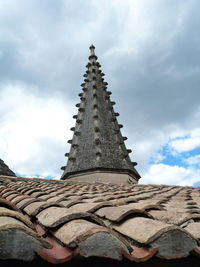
194	160
187	143
171	175
33	130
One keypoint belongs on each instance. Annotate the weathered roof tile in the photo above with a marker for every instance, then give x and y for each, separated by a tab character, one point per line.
54	216
194	229
85	235
117	214
15	214
143	230
172	216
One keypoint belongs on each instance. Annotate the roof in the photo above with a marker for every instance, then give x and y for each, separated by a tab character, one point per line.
59	221
97	142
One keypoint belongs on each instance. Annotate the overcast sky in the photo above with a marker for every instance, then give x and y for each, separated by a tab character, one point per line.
150	53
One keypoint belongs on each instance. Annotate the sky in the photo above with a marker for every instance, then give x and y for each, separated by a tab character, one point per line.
149	51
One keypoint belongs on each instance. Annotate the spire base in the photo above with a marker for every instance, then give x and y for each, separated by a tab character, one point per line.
99	175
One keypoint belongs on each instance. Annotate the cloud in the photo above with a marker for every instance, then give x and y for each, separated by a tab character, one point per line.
33	130
194	160
171	175
187	143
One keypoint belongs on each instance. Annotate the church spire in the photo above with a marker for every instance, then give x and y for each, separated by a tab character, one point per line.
97	145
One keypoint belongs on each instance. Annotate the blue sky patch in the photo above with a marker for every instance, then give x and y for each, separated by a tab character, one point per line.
168	157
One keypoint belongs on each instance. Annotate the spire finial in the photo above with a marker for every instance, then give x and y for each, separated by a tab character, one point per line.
92	48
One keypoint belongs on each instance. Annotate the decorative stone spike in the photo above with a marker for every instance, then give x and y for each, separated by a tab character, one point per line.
72	129
96	129
83	84
97	141
120	125
69	141
134	164
72	159
116	114
63	168
129	151
79	121
78	105
124	138
66	154
85	75
75	145
100	145
98	154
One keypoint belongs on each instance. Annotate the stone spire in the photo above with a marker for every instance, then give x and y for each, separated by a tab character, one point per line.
4	169
97	145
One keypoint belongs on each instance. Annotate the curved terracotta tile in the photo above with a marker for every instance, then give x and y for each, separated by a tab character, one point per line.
194	229
145	230
57	254
116	214
10	223
174	244
25	202
172	216
16	215
139	254
7	204
34	208
86	235
54	216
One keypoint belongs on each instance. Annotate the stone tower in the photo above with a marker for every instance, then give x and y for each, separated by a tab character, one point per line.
4	169
98	151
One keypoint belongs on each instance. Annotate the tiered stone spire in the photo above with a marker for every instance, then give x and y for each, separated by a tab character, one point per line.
4	169
97	144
